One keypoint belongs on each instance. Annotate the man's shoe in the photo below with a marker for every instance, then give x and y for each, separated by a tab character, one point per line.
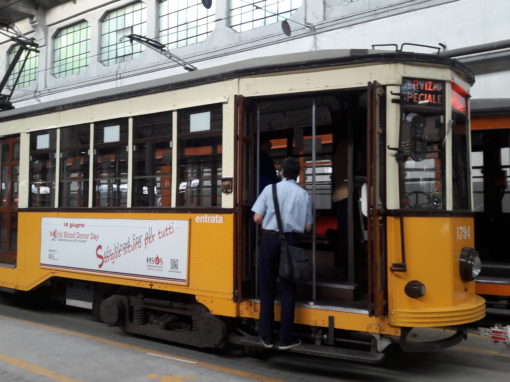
267	343
289	345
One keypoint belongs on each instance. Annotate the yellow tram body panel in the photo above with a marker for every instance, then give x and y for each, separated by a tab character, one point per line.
432	248
210	257
210	279
317	316
429	243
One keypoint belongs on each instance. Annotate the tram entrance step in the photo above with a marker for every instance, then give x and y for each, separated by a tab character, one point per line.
328	291
323	351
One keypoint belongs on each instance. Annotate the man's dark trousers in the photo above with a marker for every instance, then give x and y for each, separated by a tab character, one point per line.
268	273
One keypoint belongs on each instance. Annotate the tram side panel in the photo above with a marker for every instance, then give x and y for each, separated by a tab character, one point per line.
430	291
71	250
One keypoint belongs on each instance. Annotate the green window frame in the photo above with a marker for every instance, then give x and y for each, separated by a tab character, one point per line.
185	22
246	15
29	73
118	24
71	50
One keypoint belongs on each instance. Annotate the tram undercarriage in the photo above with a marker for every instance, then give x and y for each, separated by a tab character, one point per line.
180	319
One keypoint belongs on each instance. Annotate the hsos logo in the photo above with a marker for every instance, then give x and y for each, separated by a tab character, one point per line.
156	260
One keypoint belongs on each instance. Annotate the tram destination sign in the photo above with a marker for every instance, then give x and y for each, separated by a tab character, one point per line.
417	91
139	248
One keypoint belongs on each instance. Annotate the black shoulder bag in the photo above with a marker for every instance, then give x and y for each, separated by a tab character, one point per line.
295	265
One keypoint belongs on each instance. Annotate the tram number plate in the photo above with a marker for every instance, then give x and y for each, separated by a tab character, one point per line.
463	232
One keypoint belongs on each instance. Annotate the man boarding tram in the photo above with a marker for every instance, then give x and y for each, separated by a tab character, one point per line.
296	214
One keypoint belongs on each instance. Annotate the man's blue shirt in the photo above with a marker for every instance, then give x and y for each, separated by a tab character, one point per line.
295	207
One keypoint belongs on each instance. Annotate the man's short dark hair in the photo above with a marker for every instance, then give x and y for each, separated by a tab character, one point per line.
291	167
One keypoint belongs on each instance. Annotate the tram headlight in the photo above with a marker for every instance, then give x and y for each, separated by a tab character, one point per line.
470	264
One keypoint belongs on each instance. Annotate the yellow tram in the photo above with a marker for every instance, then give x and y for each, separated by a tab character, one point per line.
136	201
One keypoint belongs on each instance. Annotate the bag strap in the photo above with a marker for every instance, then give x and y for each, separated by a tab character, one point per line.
277	212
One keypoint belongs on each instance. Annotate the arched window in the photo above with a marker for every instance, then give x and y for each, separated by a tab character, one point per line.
118	24
72	49
250	14
185	22
29	72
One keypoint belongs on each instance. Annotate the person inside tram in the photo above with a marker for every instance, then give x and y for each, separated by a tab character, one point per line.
267	174
295	207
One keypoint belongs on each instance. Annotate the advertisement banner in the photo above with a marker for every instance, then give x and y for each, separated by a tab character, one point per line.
149	249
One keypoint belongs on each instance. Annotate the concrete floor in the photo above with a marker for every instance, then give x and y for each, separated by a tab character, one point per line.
67	345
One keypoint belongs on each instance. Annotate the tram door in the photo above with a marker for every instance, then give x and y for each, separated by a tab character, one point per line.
376	229
326	132
9	170
245	262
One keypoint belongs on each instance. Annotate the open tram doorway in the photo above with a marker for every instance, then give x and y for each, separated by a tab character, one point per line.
9	170
490	160
327	132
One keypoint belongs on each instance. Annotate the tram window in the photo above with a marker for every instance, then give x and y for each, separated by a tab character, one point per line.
15	152
4	234
3	184
152	168
199	157
110	163
4	152
505	164
9	174
477	180
323	169
42	169
15	190
460	158
15	171
74	166
422	160
4	175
